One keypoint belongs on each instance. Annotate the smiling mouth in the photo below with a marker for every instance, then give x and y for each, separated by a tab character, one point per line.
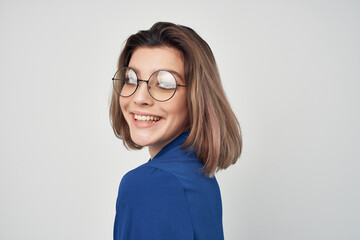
146	118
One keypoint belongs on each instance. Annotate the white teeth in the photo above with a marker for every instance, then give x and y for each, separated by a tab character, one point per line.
152	119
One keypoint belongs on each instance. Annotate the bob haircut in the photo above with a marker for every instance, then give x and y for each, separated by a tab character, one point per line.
215	133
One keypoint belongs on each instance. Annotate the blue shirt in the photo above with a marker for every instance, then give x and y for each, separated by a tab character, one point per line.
169	197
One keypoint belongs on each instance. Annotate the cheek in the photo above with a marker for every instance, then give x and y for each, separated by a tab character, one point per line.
179	111
183	110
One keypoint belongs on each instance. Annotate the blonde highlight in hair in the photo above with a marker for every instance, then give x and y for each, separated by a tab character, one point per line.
215	133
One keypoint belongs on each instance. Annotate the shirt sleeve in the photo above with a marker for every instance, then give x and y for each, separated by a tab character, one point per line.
152	204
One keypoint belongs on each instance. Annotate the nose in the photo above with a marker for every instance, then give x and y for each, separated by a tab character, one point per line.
142	95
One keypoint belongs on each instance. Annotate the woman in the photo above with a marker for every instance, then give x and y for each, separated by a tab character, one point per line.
168	96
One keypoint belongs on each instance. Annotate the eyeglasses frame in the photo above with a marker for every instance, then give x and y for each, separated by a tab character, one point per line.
147	83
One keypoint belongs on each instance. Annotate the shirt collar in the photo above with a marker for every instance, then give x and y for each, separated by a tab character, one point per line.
173	149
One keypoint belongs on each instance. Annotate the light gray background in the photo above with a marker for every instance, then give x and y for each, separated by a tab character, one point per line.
291	72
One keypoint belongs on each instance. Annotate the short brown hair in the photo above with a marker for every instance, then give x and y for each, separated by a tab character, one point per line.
215	133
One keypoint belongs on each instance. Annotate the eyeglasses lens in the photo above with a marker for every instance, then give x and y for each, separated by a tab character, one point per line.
162	85
125	82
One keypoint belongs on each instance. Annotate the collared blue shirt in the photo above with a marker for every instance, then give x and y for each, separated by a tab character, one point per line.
169	197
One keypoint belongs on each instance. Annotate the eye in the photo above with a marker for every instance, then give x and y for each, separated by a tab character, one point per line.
166	80
131	81
130	77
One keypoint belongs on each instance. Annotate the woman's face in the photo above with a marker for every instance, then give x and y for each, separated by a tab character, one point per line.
172	114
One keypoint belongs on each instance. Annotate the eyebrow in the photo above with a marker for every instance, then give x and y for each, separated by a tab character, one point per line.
162	69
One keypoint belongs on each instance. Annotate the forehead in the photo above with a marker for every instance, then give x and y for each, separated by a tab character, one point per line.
146	60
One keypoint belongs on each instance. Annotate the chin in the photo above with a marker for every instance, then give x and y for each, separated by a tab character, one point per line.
139	139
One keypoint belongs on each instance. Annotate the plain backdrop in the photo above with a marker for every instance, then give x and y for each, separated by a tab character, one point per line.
291	73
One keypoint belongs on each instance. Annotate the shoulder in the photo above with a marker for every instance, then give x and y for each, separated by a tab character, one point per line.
152	205
146	175
151	183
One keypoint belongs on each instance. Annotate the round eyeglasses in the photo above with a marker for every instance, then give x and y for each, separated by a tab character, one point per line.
161	84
